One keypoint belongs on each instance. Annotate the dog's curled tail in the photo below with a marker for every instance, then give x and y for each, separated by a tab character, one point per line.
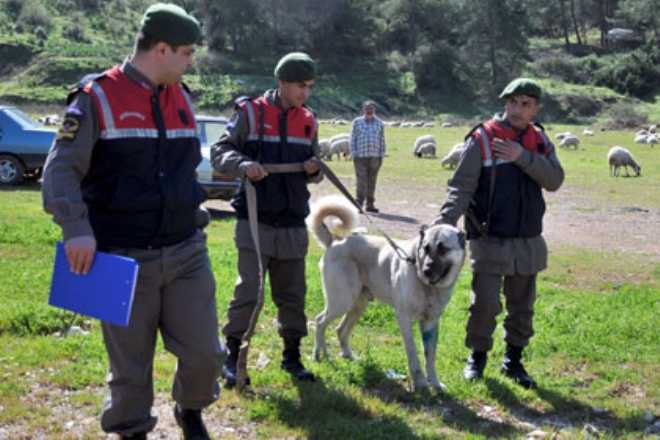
342	218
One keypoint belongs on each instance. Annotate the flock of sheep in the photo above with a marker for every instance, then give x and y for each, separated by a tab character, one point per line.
426	146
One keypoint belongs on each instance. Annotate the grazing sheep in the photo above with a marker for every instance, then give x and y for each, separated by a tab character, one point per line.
425	139
561	136
447	125
652	128
429	125
339	136
652	139
426	150
406	124
340	147
453	157
587	132
395	124
418	124
620	157
641	138
571	141
324	149
642	132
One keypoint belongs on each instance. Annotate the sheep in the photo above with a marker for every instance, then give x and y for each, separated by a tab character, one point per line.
425	139
587	132
406	124
426	150
641	138
570	141
339	136
620	157
324	149
418	124
340	147
560	136
642	132
429	125
395	124
653	128
453	156
652	139
447	125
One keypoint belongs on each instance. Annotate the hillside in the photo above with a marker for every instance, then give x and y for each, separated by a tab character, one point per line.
45	47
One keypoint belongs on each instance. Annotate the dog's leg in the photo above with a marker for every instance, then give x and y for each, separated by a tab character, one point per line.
339	298
429	331
346	326
320	349
418	380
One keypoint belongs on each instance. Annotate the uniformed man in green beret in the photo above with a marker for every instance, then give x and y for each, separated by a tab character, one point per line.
273	130
507	163
120	178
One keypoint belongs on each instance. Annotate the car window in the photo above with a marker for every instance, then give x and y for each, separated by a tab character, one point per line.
213	131
22	118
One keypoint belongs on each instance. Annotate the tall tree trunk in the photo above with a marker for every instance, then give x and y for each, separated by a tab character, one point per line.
575	23
491	48
564	22
602	21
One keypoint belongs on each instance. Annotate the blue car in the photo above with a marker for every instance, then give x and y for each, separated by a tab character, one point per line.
24	145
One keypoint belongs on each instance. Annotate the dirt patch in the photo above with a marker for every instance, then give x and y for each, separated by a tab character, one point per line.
572	217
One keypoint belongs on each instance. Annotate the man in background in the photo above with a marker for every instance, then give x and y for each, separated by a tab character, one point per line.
367	150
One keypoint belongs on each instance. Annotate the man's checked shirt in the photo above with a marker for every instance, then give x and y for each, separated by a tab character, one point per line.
368	137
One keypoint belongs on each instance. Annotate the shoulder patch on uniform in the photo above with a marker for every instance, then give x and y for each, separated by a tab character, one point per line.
233	121
73	90
71	123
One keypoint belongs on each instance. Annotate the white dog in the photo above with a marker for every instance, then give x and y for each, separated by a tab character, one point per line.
360	267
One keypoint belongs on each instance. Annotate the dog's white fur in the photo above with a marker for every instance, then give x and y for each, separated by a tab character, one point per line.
357	268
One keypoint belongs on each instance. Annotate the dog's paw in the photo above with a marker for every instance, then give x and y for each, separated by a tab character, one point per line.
348	355
420	384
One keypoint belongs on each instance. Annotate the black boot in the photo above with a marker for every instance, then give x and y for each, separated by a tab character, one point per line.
291	361
191	423
512	367
229	368
474	367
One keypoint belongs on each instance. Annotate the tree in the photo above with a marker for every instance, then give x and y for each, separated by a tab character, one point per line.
496	41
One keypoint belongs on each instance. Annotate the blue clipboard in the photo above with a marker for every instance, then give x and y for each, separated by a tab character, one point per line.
105	293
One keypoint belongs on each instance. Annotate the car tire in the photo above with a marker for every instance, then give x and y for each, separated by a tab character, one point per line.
12	170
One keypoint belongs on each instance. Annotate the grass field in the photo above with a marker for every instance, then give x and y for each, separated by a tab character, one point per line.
596	354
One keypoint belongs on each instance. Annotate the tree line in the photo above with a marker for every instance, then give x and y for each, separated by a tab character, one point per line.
474	46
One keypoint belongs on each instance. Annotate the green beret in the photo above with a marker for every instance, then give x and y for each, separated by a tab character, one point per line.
522	86
295	66
172	24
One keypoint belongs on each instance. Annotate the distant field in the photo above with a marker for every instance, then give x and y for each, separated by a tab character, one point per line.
596	353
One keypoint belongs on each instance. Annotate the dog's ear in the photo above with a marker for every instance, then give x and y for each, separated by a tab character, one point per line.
461	239
422	229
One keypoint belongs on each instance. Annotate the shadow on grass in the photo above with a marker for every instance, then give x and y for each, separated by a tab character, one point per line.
453	413
565	410
220	214
27	185
395	218
328	413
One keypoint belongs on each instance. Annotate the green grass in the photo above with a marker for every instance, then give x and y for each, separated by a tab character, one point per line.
595	353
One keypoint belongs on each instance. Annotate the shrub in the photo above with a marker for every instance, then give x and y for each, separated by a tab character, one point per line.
34	15
636	74
13	8
625	115
75	33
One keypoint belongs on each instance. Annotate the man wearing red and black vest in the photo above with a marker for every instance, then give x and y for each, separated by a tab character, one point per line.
120	178
498	185
275	128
